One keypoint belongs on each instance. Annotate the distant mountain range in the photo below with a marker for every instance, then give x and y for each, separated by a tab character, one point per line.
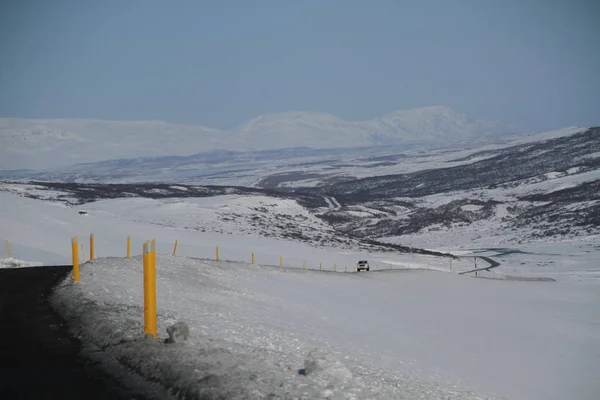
50	143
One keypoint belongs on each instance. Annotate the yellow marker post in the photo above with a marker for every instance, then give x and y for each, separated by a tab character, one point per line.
149	257
145	258
217	253
153	252
153	289
75	254
175	247
128	246
280	261
8	250
253	258
91	246
146	261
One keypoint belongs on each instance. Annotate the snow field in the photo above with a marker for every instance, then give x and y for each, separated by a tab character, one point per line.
380	335
387	334
42	231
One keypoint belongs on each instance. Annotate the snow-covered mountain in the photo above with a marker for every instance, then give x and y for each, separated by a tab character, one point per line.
493	195
430	123
47	143
524	215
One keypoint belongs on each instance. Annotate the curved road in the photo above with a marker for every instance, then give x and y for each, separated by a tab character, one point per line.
493	264
40	358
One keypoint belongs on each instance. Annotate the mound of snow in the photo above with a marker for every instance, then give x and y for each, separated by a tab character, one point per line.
14	263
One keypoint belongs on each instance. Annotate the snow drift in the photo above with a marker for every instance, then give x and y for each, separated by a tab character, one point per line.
14	263
265	332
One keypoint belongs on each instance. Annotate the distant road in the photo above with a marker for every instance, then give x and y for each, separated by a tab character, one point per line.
493	264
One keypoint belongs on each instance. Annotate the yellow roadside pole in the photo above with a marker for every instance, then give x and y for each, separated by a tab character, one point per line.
91	246
217	253
175	247
280	261
252	258
153	252
128	246
75	254
149	259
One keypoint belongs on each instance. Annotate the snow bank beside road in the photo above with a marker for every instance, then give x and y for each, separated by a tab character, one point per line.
386	334
255	331
14	263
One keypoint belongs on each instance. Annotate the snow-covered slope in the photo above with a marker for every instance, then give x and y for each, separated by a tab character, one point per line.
44	143
324	130
38	144
381	335
319	231
41	230
385	334
430	123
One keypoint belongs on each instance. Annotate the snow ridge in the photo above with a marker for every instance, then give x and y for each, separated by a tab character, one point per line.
33	143
15	263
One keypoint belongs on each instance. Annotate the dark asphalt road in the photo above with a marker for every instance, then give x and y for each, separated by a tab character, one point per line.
39	359
493	264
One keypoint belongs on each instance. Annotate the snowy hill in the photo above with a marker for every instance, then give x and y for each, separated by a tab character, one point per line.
431	123
44	143
324	130
258	332
262	331
532	194
418	325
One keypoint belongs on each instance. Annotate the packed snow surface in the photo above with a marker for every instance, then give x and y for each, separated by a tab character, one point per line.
260	331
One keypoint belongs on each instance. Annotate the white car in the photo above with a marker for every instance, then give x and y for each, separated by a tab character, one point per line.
362	264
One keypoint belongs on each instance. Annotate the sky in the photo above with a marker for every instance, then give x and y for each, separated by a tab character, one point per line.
534	64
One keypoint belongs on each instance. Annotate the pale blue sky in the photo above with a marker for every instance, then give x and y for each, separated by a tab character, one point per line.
531	63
